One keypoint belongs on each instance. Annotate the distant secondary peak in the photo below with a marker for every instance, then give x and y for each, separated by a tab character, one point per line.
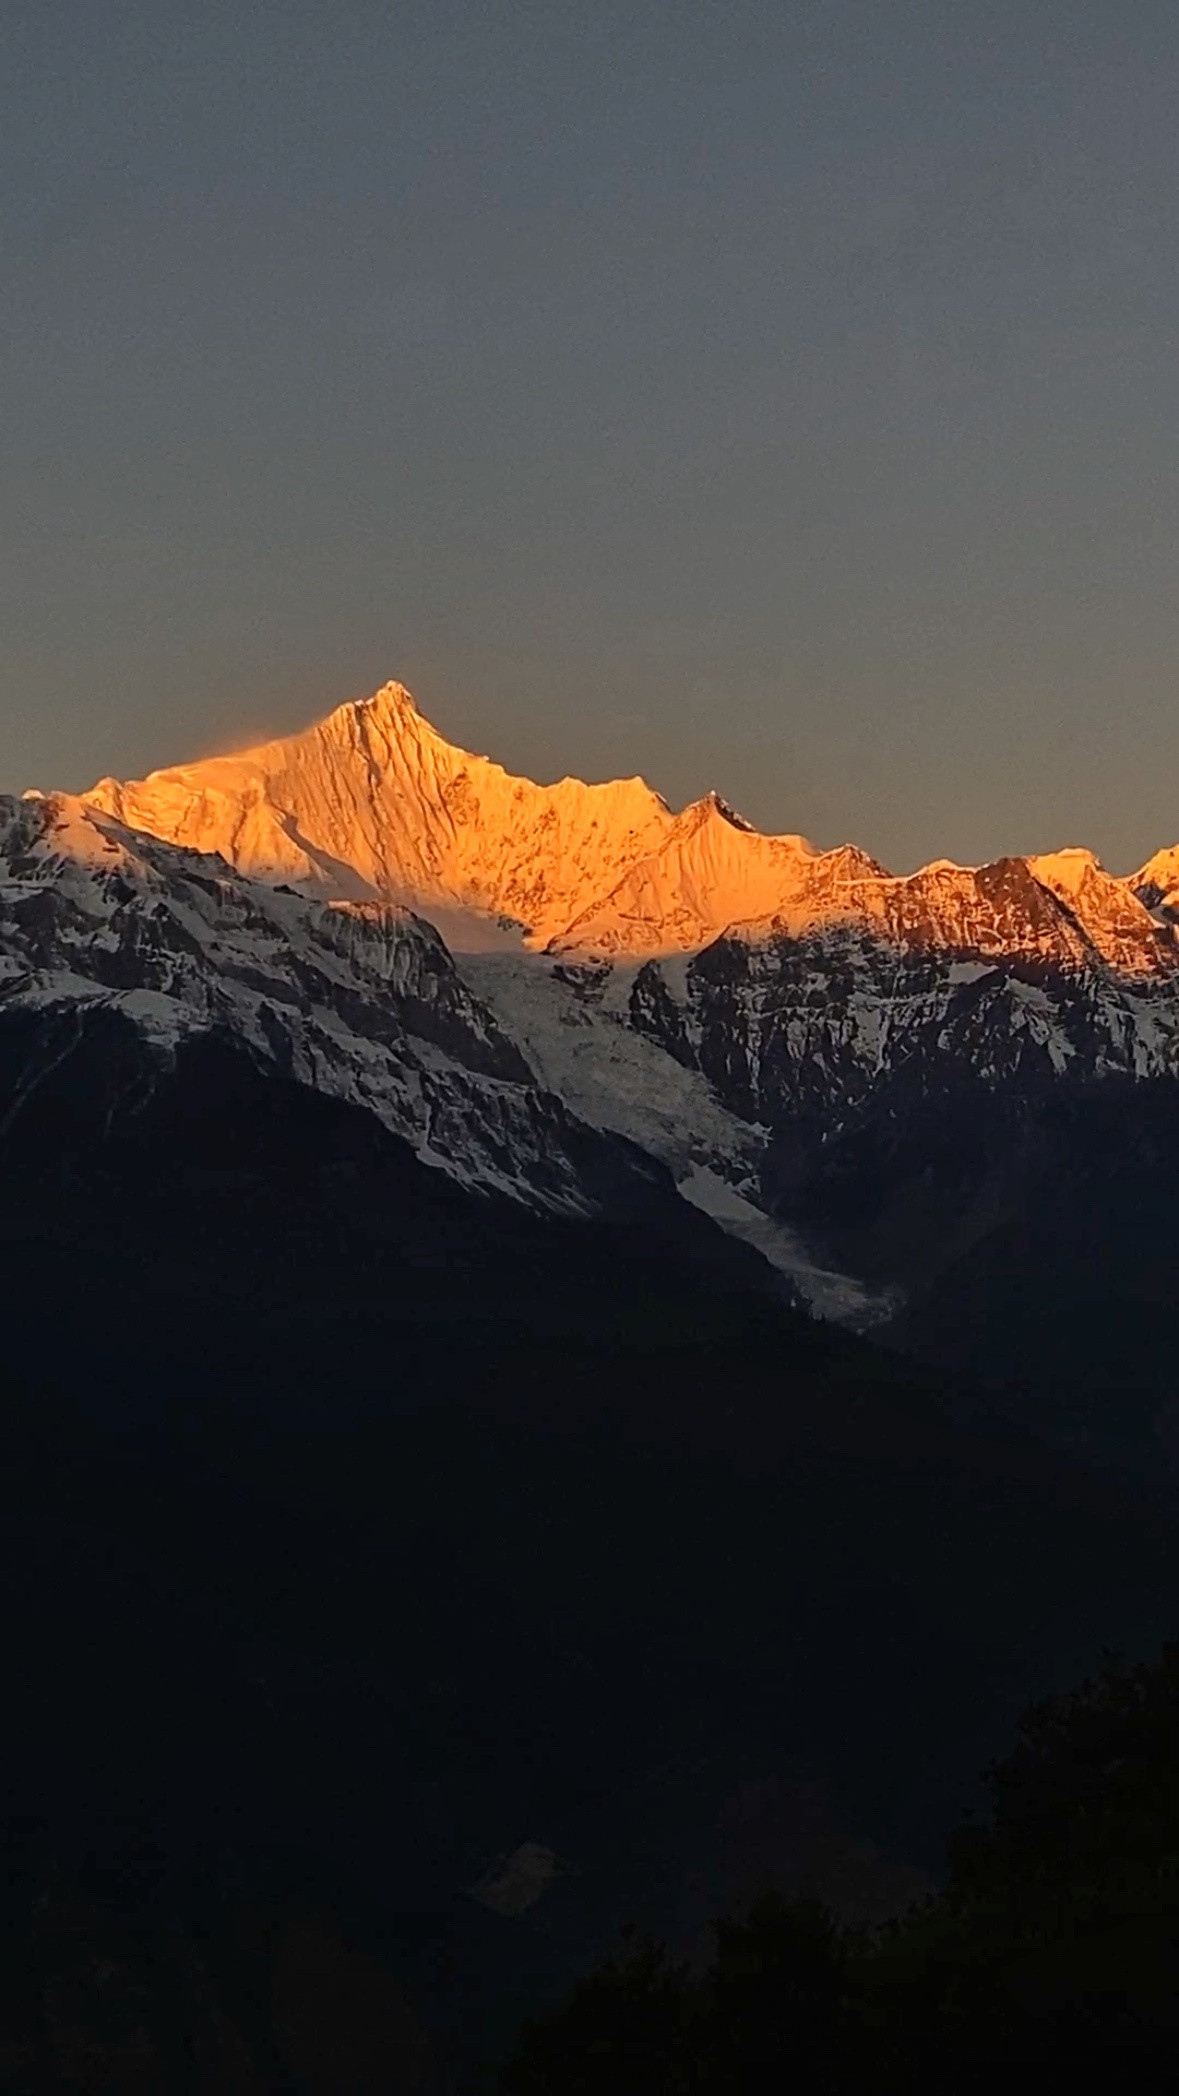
1070	863
714	804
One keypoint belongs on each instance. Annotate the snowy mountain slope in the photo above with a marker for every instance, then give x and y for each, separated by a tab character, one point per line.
945	1129
359	1001
1156	885
1062	909
373	804
710	871
575	1025
510	1080
807	1028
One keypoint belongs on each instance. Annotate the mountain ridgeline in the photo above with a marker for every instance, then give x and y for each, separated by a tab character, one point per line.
373	803
940	1107
554	1352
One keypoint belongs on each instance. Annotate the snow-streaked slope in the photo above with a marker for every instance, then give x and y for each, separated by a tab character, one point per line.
575	1026
358	1000
1041	910
1156	885
1108	910
712	870
838	1298
800	1033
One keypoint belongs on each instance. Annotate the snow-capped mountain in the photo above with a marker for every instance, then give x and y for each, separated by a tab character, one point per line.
361	1001
1157	884
740	1008
373	804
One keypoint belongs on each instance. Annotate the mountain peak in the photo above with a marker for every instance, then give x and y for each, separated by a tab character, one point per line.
714	803
1156	884
1070	865
392	697
374	804
391	712
392	702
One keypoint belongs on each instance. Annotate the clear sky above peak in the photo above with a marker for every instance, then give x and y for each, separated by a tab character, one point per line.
780	398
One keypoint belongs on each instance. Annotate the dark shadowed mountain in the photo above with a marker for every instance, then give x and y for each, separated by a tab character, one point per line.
626	1582
437	1529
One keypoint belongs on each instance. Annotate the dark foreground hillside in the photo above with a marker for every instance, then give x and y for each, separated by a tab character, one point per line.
402	1595
1050	1957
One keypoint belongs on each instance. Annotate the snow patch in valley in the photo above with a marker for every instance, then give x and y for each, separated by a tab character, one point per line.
838	1298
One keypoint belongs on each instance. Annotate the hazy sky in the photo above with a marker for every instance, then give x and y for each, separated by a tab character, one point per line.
778	397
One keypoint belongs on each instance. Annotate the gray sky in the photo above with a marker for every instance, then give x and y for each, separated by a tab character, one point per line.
777	397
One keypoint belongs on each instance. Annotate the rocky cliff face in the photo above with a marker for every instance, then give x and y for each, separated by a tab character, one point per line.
986	1142
808	1027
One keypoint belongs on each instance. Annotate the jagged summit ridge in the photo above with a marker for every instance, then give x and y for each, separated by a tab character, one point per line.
373	804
